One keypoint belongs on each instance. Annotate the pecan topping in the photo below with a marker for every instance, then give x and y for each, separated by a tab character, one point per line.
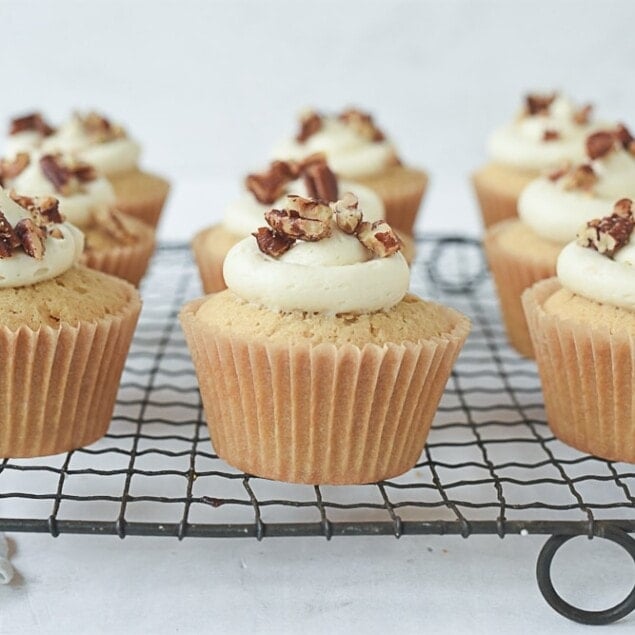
582	116
550	135
9	169
362	123
9	240
271	243
302	218
115	224
310	123
538	104
43	209
379	238
609	234
100	128
348	216
31	237
66	176
34	122
599	144
320	182
270	185
624	136
558	173
582	177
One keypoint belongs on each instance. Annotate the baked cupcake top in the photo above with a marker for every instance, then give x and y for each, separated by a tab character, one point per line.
600	264
95	139
353	144
26	133
555	205
36	243
319	258
547	131
310	177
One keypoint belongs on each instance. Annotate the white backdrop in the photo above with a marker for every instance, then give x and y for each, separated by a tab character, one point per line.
209	86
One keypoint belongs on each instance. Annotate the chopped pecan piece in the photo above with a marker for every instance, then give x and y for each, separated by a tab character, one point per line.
56	232
362	123
43	209
599	144
582	116
582	177
31	237
558	173
271	243
538	104
10	168
320	181
34	122
9	240
624	136
550	135
310	123
100	128
115	224
609	234
309	208
66	175
289	223
348	216
379	238
268	186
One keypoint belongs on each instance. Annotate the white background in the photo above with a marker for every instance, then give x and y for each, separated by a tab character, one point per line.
208	87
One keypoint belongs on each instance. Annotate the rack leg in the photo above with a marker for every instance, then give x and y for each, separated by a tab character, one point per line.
543	573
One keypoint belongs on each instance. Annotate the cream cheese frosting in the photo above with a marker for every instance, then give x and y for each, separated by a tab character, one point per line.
521	143
94	196
60	254
349	153
26	141
556	213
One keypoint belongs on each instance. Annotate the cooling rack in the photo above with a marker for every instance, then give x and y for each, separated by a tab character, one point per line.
491	465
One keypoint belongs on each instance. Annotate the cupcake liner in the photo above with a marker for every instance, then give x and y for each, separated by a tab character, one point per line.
512	275
209	254
320	414
497	192
129	262
140	194
58	385
401	189
588	379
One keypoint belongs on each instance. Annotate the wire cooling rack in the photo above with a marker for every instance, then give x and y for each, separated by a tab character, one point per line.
491	465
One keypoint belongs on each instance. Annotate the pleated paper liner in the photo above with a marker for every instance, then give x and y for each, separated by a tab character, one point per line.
140	194
512	275
497	190
58	385
127	261
323	413
401	189
588	379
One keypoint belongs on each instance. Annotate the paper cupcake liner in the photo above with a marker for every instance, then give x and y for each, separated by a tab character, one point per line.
588	379
401	189
141	195
319	414
512	275
129	262
210	255
58	386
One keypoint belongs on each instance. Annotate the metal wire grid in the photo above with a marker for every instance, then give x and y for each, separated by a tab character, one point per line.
491	464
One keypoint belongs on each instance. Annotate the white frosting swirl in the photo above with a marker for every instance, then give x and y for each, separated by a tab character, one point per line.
109	157
60	254
521	143
78	208
25	141
246	214
348	153
556	214
333	275
588	273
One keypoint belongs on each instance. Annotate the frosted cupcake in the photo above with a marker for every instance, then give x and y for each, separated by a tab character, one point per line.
26	133
582	324
64	333
115	243
96	140
552	208
357	149
316	365
547	132
309	177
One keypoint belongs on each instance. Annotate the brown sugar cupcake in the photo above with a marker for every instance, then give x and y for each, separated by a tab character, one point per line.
65	331
115	243
309	177
551	209
582	324
96	140
546	133
357	149
316	365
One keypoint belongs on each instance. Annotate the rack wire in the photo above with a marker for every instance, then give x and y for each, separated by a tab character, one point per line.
491	465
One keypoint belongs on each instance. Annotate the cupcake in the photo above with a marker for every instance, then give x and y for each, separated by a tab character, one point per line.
551	209
357	149
547	132
115	243
65	331
96	140
316	365
308	177
582	325
26	133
